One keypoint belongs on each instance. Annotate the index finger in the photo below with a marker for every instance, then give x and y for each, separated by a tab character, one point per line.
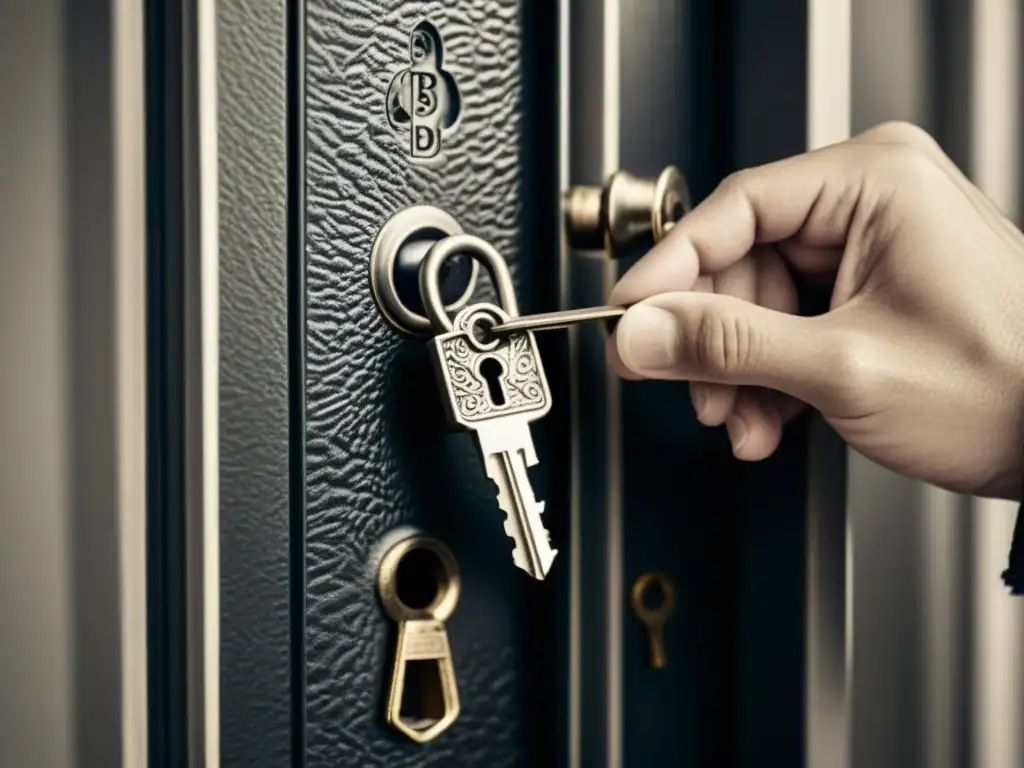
811	196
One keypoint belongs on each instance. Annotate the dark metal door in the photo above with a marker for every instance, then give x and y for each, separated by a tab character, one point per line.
307	649
332	430
377	453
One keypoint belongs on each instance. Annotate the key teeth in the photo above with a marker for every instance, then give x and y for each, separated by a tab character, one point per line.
510	529
546	563
503	476
519	559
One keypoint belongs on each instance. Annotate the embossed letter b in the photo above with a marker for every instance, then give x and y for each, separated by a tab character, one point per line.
424	99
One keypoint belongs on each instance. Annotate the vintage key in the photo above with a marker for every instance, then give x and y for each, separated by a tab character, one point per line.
494	388
654	617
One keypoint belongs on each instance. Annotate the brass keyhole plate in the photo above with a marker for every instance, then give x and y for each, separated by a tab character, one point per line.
418	580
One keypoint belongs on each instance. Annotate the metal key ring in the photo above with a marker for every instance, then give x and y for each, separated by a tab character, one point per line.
481	251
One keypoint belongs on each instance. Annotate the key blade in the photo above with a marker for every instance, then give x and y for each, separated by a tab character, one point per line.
532	552
549	321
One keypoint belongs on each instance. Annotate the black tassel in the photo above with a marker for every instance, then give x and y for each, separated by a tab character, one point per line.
1013	576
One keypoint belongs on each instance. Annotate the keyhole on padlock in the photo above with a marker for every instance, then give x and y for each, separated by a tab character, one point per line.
490	371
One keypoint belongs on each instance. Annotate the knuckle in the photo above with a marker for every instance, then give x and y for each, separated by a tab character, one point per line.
909	166
906	151
905	134
735	182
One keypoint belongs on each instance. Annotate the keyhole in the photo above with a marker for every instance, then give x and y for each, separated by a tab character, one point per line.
654	596
490	370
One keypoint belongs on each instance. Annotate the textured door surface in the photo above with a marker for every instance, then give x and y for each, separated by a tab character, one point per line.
377	454
332	431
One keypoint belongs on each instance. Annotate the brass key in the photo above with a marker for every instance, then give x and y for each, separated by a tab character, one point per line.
419	581
654	617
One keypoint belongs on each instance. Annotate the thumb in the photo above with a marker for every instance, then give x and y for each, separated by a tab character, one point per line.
721	339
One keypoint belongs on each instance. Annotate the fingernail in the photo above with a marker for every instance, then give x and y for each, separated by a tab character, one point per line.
737	432
647	339
700	401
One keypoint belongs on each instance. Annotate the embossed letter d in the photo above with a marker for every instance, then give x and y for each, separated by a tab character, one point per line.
424	98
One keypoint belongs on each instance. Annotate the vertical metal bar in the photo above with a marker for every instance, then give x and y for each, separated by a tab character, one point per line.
945	622
829	620
201	380
591	130
130	358
207	559
573	751
997	674
613	488
829	617
828	71
72	393
946	529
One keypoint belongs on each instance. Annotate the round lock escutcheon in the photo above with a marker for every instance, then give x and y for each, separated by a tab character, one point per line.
398	252
418	578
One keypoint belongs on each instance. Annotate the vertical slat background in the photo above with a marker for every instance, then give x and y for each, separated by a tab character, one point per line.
829	652
938	669
72	385
997	663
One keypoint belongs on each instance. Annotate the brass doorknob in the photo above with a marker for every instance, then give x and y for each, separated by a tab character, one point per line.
626	212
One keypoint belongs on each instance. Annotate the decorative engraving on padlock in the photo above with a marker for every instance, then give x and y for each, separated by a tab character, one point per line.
626	212
656	616
461	360
418	580
463	348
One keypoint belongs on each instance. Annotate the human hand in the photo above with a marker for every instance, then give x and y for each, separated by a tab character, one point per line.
919	361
